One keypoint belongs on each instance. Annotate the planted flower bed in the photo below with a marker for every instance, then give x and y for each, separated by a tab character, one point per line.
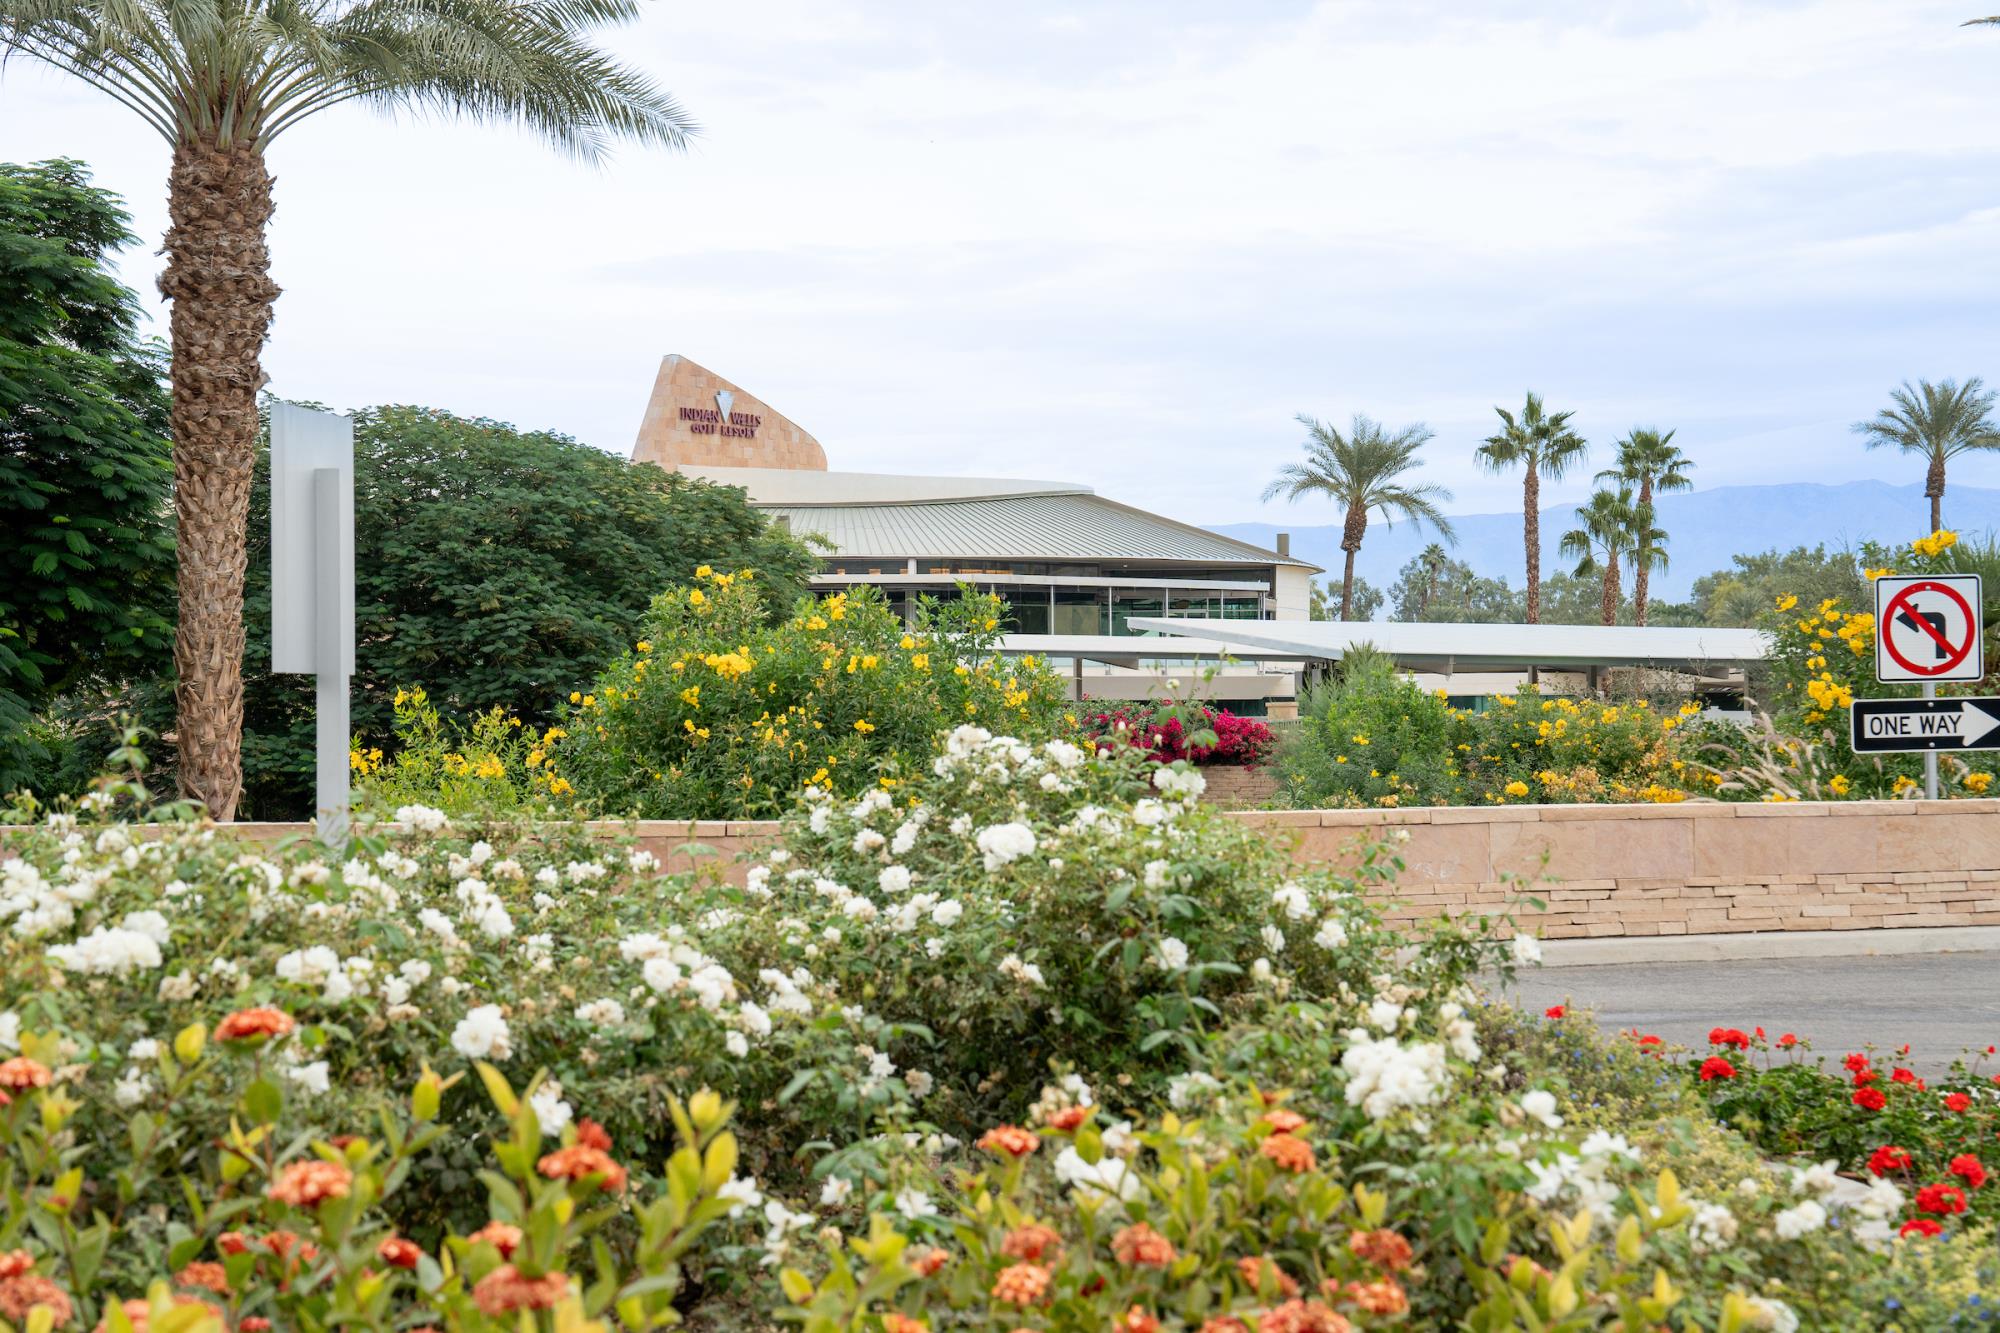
1031	1041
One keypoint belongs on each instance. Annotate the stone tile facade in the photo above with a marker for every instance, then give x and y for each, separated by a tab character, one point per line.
689	423
1603	870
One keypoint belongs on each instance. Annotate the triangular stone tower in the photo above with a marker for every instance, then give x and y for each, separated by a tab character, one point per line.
697	419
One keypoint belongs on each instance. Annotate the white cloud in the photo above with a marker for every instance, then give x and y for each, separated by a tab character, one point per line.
1123	242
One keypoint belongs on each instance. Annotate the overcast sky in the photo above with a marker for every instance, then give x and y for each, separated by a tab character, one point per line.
1124	243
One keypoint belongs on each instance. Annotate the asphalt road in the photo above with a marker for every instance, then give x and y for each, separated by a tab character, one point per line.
1940	1004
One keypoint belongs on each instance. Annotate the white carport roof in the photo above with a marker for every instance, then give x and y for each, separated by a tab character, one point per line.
1448	648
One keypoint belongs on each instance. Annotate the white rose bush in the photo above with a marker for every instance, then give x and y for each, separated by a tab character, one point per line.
1031	1039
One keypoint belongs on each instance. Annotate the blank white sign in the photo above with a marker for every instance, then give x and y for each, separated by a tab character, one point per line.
302	442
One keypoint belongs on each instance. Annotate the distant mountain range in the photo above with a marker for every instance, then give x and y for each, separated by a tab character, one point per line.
1705	528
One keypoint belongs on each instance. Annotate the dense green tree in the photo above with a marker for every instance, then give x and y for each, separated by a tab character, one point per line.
1936	422
1361	472
493	567
1365	599
86	550
219	80
1450	592
1746	592
1650	462
1541	444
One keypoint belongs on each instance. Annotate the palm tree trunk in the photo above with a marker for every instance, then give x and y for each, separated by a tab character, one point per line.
1642	576
1531	529
1934	488
1607	609
1351	533
218	278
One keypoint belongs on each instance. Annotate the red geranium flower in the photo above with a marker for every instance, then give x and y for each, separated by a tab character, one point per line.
1870	1099
1728	1037
1554	1011
1941	1198
1888	1158
1920	1226
1716	1067
1969	1169
1855	1063
1787	1041
1863	1077
1957	1101
1902	1075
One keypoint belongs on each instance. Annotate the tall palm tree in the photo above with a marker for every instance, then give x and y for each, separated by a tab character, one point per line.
1434	560
1541	445
1603	535
1937	421
1652	462
219	80
1359	471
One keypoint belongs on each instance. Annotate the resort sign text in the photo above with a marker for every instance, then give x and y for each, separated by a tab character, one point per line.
722	419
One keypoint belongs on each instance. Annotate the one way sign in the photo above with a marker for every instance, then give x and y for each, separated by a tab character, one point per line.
1884	726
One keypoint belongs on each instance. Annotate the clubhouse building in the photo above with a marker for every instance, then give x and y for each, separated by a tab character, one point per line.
1079	573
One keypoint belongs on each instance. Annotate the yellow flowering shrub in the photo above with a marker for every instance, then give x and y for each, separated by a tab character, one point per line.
1376	739
718	713
1822	660
494	762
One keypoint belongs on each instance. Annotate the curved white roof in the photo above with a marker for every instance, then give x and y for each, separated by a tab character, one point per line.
1445	647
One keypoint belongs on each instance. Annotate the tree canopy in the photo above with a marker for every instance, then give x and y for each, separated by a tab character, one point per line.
493	567
86	545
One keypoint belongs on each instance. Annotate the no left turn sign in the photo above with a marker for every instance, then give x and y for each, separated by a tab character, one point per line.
1927	628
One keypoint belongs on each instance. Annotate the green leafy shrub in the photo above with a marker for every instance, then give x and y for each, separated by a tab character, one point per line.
715	712
496	568
1373	738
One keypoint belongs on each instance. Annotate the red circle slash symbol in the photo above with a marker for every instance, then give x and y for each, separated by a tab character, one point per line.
1902	611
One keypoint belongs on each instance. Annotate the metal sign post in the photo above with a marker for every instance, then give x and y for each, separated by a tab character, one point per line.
1927	629
312	585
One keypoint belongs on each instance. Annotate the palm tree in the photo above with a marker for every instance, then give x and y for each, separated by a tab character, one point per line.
1938	421
1604	533
1652	462
219	80
1541	445
1359	471
1434	560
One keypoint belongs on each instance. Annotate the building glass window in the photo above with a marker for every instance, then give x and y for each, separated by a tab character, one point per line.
1192	604
1242	606
1027	610
1079	611
1127	603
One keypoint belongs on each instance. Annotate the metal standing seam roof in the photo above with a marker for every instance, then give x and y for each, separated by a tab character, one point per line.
1058	526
